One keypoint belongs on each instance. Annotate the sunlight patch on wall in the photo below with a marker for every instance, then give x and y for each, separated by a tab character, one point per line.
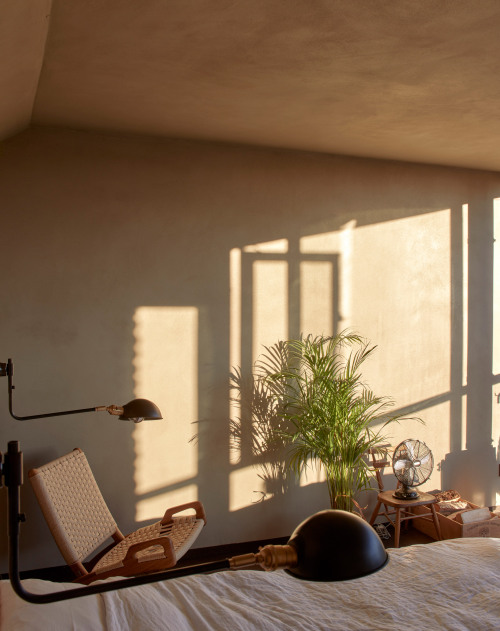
465	291
346	273
334	244
496	287
329	242
270	304
312	475
463	445
234	333
324	243
316	298
495	430
245	488
155	506
401	298
166	371
496	331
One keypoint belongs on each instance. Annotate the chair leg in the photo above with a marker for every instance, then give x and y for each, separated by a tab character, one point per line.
397	528
375	513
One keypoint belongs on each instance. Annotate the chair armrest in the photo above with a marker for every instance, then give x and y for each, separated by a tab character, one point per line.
164	542
198	506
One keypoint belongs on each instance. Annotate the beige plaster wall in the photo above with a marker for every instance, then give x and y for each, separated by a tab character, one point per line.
134	267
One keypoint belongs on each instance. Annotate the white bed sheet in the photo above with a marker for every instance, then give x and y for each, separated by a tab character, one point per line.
70	615
445	585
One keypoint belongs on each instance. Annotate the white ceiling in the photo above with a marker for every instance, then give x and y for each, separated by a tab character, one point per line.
410	80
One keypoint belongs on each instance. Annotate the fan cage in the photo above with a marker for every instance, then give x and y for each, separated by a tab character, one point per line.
415	462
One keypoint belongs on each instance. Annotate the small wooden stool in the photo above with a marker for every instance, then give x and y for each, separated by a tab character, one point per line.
402	512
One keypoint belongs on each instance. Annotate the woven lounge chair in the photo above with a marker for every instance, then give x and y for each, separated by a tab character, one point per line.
80	522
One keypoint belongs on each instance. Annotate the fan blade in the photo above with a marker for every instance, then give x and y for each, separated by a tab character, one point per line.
419	476
423	450
402	464
425	459
410	446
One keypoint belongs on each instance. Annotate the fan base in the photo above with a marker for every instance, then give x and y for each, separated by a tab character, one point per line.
406	494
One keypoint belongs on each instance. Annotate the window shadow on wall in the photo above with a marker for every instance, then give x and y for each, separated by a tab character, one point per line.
268	298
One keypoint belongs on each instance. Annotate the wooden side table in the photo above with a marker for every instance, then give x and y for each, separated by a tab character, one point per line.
402	511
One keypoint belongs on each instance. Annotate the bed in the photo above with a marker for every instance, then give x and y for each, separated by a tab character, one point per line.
452	584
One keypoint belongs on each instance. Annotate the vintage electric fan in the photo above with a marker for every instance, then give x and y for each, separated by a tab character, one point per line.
412	464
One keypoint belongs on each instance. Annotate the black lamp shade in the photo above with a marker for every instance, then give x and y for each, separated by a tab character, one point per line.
335	545
140	409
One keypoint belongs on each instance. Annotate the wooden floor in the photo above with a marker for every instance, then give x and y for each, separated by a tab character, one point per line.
409	536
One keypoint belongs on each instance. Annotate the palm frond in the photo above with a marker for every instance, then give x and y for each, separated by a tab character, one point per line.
307	396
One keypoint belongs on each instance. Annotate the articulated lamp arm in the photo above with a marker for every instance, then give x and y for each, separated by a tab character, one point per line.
136	410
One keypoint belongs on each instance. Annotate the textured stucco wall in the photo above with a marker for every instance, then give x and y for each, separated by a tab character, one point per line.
141	267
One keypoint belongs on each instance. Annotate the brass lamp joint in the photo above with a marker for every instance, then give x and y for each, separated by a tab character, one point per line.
270	558
115	410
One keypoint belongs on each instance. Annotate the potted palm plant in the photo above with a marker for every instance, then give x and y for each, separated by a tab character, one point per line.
332	419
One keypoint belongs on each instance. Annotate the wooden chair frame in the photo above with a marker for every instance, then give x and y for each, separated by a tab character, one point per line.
81	523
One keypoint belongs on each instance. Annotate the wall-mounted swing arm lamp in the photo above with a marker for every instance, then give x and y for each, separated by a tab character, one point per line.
136	410
331	545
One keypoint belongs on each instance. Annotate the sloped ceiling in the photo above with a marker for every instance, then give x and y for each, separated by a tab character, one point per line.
410	80
23	31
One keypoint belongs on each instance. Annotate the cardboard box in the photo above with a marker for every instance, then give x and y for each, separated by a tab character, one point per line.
451	529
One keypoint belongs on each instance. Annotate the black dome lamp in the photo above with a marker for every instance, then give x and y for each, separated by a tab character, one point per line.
335	545
139	410
332	545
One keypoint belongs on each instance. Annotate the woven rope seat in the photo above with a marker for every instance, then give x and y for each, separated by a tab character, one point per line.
80	522
180	531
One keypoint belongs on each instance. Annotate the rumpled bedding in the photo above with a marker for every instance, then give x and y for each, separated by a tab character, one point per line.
451	585
446	585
